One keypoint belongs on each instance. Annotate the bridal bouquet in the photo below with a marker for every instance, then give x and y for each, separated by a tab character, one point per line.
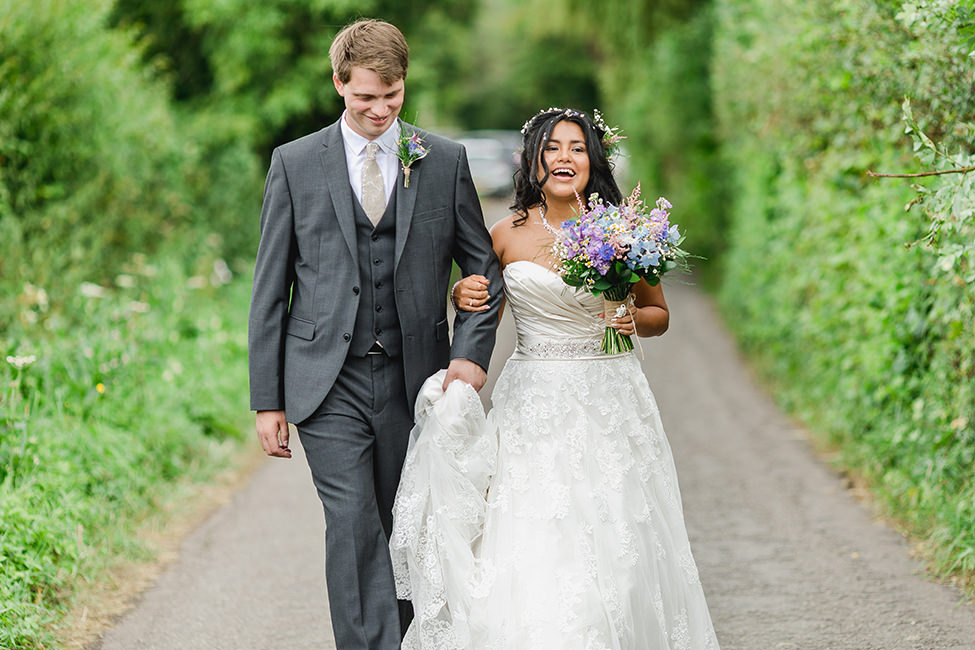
608	248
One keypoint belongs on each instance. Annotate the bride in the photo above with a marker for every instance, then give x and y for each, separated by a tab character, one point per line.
554	522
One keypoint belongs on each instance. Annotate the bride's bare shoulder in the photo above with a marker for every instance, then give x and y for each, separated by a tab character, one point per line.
503	228
502	235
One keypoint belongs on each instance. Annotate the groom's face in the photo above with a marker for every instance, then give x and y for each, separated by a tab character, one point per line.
372	106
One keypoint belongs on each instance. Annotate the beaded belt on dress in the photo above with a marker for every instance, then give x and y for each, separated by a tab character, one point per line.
560	348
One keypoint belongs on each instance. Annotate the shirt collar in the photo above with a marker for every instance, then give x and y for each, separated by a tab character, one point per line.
388	141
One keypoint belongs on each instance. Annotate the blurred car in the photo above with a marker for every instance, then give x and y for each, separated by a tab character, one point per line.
493	159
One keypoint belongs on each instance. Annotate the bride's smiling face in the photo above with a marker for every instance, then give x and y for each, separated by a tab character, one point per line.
567	160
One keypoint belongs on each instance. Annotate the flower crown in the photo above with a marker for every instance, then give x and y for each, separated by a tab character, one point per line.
612	135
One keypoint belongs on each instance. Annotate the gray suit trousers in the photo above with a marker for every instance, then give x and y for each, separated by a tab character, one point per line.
355	443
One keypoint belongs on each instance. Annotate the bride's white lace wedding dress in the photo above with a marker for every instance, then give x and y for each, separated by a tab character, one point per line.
580	541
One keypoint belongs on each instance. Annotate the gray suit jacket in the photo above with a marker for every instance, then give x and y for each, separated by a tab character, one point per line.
306	280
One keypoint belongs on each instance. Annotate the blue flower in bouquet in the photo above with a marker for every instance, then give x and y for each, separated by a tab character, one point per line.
644	253
602	255
673	235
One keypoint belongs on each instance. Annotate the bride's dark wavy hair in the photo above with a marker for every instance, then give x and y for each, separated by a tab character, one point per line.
536	134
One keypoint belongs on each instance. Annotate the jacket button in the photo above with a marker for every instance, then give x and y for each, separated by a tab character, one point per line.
379	284
347	336
355	290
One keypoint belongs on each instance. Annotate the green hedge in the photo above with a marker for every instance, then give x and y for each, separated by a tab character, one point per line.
869	341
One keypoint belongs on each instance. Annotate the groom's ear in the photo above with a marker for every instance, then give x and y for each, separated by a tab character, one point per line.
339	86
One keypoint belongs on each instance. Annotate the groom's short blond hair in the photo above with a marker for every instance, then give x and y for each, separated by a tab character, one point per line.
371	44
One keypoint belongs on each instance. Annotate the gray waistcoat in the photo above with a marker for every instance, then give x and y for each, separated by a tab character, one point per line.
376	318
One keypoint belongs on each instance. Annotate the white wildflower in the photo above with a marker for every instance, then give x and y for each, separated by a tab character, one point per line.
21	362
92	290
125	281
221	273
35	296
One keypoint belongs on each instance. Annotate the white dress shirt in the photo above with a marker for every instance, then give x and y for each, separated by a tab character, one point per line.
355	157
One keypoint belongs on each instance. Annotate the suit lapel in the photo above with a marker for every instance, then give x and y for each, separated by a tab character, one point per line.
405	200
336	171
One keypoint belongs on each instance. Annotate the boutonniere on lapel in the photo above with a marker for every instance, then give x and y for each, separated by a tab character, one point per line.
411	149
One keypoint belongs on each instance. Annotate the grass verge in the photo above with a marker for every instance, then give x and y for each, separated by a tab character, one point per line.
114	406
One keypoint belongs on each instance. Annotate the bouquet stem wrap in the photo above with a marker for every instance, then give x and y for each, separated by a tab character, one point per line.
613	341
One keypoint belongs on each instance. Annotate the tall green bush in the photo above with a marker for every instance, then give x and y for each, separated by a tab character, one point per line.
86	142
259	73
95	164
868	339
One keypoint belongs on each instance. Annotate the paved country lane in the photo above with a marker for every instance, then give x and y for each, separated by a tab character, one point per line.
250	578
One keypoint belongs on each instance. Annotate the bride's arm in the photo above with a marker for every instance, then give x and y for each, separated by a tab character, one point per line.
650	316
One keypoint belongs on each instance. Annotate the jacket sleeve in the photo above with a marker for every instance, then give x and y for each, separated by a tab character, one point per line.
273	278
474	332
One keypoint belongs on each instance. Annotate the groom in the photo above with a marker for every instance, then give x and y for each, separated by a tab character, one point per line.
348	314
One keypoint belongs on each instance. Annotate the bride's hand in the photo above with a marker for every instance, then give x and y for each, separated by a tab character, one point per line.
624	324
471	294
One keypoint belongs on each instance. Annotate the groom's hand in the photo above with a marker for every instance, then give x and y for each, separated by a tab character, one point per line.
466	371
272	431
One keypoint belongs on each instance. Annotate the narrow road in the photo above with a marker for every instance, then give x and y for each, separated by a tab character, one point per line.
788	558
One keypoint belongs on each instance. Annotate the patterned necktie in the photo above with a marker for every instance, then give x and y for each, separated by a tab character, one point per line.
373	190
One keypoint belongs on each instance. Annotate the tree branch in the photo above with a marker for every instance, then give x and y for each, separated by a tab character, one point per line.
959	170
